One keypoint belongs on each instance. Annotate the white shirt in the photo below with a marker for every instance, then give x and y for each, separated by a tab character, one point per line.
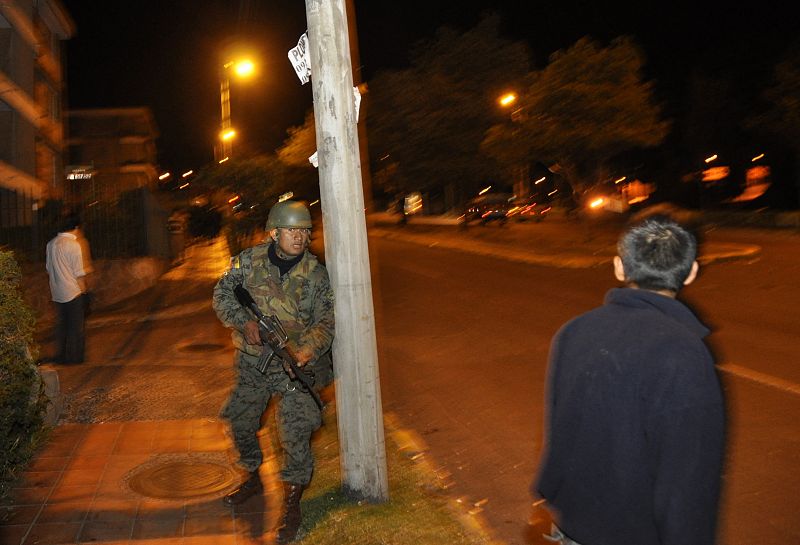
64	266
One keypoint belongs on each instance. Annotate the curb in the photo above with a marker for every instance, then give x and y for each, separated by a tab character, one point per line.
468	515
721	252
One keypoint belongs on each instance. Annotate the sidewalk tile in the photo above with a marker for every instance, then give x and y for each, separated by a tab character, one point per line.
213	507
28	496
106	530
155	509
43	462
96	446
60	448
171	444
63	512
83	493
208	525
157	528
18	514
80	477
216	444
88	462
105	509
13	534
57	533
34	479
126	461
134	445
135	427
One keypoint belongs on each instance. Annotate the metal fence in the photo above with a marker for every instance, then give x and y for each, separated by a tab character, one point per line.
133	225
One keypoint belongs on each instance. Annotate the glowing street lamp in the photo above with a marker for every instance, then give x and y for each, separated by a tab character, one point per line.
507	100
242	68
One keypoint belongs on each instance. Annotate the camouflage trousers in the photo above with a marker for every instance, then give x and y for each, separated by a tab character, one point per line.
297	418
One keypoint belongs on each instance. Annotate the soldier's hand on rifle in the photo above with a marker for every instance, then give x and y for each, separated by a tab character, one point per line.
302	355
251	334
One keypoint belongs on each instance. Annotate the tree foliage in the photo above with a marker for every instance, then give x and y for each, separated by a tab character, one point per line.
587	105
783	98
254	184
300	143
427	122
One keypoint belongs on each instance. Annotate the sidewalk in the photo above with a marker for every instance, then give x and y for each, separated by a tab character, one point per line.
153	482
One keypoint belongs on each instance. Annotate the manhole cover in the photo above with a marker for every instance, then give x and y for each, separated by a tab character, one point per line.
181	479
202	347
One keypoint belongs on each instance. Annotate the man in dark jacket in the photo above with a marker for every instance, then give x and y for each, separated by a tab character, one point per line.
635	416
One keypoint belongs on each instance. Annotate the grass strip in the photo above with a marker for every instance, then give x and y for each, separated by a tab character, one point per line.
418	511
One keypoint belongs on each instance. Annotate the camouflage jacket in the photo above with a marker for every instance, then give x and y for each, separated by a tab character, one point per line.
302	300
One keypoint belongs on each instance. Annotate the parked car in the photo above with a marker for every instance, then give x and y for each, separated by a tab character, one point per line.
486	208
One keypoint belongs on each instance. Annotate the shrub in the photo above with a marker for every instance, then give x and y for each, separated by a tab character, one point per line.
22	399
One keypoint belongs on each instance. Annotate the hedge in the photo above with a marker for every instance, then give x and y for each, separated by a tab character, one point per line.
22	399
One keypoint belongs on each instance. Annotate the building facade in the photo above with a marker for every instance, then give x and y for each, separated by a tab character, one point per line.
110	151
32	88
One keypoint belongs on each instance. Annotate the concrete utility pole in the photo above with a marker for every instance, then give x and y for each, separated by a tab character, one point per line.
355	353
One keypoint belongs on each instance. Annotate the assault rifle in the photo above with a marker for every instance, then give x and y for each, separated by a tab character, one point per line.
274	338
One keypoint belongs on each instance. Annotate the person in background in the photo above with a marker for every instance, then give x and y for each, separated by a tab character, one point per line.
68	263
634	424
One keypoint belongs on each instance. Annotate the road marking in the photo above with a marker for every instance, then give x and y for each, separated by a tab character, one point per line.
761	378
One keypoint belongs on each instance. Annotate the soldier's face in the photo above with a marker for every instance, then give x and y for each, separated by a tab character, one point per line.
292	241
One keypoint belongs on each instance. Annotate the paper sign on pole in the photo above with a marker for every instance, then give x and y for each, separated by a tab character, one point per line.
357	98
301	60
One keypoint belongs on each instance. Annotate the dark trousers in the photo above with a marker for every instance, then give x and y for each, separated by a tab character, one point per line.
70	335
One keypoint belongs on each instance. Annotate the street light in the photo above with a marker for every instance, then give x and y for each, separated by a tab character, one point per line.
521	171
507	99
243	68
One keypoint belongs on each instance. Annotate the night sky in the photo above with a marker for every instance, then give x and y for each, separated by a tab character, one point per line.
165	54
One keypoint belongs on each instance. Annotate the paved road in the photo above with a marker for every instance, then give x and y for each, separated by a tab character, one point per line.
464	337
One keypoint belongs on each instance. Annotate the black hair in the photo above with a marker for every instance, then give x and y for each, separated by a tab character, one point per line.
70	222
657	254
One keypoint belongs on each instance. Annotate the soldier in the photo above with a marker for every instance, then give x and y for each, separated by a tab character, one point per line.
286	280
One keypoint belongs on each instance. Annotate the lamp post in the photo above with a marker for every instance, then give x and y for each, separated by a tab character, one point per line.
243	68
521	171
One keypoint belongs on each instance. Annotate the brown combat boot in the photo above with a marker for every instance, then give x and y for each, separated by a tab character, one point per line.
290	520
245	491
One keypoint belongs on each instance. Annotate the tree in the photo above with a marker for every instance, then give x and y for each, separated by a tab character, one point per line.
254	184
427	122
778	125
588	105
300	143
782	97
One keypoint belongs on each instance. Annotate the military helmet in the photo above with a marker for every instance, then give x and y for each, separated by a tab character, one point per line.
289	214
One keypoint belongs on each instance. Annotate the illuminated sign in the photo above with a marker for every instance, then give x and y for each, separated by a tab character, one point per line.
79	172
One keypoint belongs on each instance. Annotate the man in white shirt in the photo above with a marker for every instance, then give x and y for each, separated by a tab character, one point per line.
67	266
